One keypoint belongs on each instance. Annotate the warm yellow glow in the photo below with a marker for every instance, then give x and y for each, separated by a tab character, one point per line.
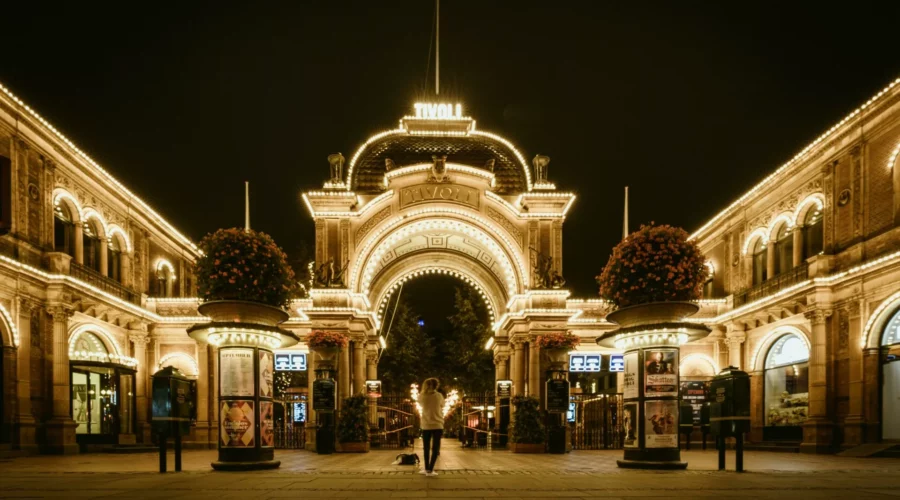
10	324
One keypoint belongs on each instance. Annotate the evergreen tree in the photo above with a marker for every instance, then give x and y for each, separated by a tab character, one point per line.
409	353
466	362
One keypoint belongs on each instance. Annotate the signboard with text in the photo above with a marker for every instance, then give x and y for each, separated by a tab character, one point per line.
504	388
373	388
587	362
290	362
558	396
617	363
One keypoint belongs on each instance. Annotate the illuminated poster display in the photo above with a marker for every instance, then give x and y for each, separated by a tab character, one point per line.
630	424
265	374
660	372
616	363
237	423
236	369
266	425
630	387
661	424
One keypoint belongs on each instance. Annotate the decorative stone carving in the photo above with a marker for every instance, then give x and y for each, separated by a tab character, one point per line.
541	165
505	223
438	169
817	316
336	163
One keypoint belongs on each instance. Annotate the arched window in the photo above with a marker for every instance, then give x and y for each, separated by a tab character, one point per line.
102	391
91	245
114	260
759	261
787	387
812	233
784	250
890	380
63	230
165	279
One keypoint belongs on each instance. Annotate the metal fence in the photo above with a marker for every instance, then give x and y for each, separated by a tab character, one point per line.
776	283
396	422
290	437
104	283
597	421
479	422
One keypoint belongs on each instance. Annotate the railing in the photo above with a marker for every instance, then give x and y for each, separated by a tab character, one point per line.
104	283
780	282
598	421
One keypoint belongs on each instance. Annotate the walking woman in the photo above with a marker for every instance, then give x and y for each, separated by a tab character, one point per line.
432	404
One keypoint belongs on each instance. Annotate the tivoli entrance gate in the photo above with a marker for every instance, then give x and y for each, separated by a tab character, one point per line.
438	196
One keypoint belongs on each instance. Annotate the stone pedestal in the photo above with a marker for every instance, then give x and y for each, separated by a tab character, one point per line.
818	436
650	336
245	334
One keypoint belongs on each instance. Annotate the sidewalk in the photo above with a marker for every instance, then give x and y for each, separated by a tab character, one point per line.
464	474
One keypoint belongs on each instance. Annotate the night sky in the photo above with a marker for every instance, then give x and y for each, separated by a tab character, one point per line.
689	103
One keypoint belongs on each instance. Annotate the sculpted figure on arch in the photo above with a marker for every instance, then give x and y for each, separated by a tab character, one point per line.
336	161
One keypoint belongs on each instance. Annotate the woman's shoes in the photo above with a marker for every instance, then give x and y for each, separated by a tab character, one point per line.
431	474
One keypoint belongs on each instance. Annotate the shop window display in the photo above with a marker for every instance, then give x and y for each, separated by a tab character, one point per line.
787	385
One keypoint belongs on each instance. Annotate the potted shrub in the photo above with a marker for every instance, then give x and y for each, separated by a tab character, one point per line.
353	425
526	432
652	275
243	276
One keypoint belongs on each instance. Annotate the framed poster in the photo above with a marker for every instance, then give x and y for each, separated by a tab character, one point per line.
630	424
660	372
236	372
630	387
504	388
661	424
266	424
237	423
266	374
299	412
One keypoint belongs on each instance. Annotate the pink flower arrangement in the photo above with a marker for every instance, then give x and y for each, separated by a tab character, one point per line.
654	264
561	340
244	265
321	338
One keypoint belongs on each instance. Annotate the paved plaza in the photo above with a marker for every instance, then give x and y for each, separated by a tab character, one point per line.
463	474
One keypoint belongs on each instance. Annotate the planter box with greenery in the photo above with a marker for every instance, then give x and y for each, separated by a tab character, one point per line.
353	425
526	432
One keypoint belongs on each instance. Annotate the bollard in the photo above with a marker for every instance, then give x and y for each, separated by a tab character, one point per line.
720	445
177	452
162	452
739	452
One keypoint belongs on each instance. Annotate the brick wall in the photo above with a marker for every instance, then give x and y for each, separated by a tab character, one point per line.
880	181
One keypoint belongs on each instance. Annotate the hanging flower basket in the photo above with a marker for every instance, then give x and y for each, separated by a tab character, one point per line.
562	340
327	345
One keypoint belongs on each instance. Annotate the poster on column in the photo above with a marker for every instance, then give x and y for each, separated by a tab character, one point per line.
237	423
236	368
661	424
266	424
660	372
266	367
629	386
630	424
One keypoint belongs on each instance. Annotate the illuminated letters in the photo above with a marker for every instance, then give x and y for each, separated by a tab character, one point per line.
438	111
423	193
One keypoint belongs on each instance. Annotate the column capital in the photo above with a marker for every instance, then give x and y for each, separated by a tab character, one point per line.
138	338
371	355
27	304
817	316
60	312
499	359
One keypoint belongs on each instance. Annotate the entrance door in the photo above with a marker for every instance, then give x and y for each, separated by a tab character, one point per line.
890	398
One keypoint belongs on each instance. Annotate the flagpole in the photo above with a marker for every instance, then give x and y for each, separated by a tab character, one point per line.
437	48
247	206
625	218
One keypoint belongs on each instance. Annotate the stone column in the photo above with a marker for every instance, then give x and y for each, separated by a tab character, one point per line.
310	413
204	438
855	423
359	368
104	256
735	341
139	340
125	272
519	373
534	369
343	376
60	430
79	243
770	260
372	374
24	433
500	373
818	429
798	246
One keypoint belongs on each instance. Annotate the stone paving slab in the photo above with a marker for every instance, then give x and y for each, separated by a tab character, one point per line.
463	474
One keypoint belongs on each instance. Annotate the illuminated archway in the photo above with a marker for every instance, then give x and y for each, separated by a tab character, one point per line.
8	330
184	362
698	365
757	362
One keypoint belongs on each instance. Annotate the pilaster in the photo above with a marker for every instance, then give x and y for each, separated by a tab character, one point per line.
818	430
24	435
139	340
60	430
855	423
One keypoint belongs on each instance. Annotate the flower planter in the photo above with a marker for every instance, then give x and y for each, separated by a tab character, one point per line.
327	354
353	447
527	447
652	313
242	311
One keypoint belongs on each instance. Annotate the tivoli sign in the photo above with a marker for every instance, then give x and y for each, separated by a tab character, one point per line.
454	193
436	111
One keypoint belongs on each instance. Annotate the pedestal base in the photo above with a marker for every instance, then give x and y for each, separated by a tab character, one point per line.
818	436
245	466
25	436
59	437
642	464
854	432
